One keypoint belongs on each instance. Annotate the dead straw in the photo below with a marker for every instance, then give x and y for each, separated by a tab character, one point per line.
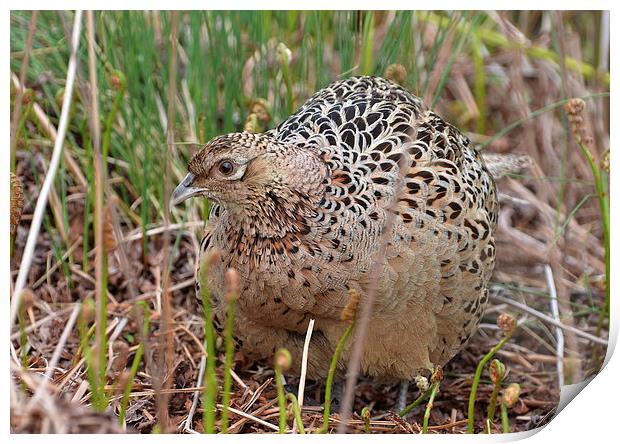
100	260
37	218
166	344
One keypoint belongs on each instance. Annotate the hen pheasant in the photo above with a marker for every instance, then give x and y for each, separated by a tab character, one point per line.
300	210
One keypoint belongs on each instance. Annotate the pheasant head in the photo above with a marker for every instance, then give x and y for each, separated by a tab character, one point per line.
256	177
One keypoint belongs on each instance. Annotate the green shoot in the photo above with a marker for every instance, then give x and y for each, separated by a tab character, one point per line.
87	315
365	414
418	401
296	411
497	371
282	362
210	382
232	293
436	378
575	108
349	315
509	399
507	324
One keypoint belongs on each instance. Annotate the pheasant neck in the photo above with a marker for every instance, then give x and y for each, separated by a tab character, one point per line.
288	200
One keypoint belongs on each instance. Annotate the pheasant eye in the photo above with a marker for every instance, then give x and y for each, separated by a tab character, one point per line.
226	167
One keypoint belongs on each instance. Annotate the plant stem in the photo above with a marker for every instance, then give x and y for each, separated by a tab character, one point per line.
498	372
603	199
101	263
297	411
365	414
505	423
368	43
493	401
427	413
281	399
23	337
93	381
210	382
476	381
419	400
109	121
331	373
228	360
102	340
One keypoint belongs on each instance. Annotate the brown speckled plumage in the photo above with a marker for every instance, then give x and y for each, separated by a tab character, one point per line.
303	211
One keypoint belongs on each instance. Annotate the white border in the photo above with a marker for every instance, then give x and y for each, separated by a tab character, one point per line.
591	417
313	5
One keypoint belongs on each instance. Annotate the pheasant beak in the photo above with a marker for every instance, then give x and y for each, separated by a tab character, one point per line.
185	190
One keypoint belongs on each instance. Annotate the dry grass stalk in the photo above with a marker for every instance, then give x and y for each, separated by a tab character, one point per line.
234	428
304	367
24	414
573	369
95	130
45	123
37	218
559	335
46	277
537	250
251	418
166	343
549	320
138	234
187	423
